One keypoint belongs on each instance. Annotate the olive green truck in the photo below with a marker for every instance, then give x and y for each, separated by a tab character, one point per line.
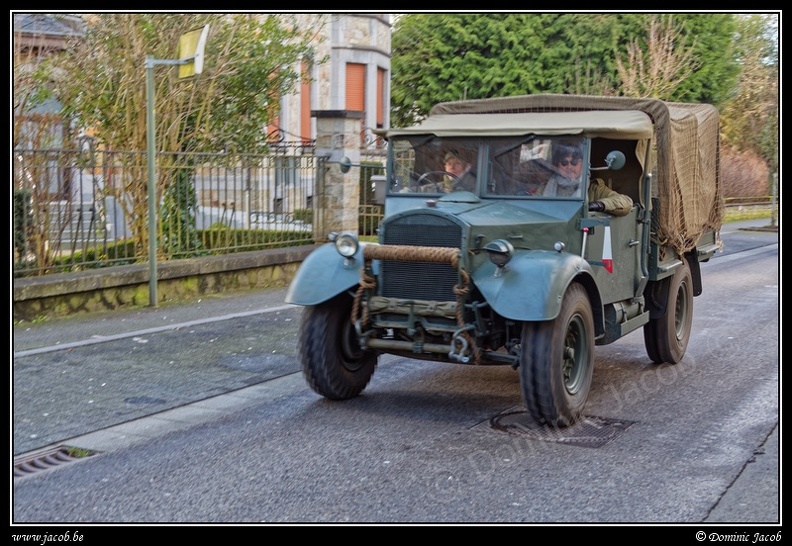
505	273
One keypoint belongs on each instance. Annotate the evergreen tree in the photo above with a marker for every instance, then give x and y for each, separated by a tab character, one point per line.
444	57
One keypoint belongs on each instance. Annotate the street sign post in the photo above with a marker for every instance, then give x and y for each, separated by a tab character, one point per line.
191	57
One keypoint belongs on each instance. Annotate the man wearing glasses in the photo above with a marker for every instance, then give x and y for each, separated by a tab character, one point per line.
568	161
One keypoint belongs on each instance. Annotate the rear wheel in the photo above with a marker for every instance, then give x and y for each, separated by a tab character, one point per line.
666	337
557	362
333	363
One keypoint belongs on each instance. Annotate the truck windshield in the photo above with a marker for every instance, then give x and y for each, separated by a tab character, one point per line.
429	164
523	166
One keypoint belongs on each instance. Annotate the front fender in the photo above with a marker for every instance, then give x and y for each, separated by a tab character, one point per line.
323	275
532	285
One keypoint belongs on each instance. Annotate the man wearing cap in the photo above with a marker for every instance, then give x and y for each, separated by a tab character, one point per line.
462	178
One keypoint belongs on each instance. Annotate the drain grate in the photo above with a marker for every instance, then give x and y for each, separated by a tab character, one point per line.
590	431
46	460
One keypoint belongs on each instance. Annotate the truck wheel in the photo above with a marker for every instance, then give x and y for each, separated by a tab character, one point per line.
666	337
557	362
333	363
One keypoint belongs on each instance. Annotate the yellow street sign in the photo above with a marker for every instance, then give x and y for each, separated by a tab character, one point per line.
191	48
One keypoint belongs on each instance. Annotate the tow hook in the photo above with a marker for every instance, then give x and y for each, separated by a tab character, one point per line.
458	346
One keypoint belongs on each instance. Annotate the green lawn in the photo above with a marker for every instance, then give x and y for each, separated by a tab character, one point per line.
736	216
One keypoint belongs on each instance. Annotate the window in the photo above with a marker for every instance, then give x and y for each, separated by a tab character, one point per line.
356	87
305	105
381	97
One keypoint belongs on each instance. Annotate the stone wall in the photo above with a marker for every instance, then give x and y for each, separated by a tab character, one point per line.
127	286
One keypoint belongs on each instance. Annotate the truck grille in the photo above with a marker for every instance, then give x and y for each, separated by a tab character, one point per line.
420	280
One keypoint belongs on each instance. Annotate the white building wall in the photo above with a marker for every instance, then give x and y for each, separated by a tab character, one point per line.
342	39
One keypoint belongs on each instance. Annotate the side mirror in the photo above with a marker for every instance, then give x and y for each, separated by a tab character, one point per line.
615	160
345	164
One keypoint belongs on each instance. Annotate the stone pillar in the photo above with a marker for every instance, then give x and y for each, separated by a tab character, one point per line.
337	195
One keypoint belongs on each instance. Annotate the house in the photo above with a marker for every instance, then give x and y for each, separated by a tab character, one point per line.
35	36
356	76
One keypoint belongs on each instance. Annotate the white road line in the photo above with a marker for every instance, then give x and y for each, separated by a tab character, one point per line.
103	339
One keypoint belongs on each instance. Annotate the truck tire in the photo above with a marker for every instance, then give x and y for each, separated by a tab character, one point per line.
333	363
666	337
557	362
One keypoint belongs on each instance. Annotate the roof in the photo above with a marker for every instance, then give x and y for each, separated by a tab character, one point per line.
622	124
54	25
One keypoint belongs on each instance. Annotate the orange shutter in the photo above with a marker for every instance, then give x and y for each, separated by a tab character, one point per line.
380	97
356	87
305	106
273	131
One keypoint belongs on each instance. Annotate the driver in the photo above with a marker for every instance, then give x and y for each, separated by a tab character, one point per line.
462	178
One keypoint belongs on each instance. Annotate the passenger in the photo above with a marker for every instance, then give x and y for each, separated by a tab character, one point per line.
604	199
568	160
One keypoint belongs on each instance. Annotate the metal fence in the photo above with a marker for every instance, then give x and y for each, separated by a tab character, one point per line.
83	209
371	209
77	209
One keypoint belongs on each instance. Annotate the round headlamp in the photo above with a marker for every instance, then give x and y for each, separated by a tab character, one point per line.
500	251
347	244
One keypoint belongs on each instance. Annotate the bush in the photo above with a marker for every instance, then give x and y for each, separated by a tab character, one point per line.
23	220
97	257
303	215
743	174
111	254
221	239
180	203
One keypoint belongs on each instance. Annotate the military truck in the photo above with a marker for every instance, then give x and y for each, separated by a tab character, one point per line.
507	273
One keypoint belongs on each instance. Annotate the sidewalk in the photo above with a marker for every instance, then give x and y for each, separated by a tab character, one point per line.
108	323
121	372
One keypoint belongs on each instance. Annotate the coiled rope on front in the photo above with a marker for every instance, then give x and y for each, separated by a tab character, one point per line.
408	253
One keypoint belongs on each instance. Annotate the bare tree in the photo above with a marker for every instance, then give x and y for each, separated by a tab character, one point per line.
251	61
587	80
750	120
656	68
36	125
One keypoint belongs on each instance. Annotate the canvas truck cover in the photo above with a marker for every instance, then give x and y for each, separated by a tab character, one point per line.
628	125
686	144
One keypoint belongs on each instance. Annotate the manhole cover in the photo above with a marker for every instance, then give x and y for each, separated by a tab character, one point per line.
590	431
